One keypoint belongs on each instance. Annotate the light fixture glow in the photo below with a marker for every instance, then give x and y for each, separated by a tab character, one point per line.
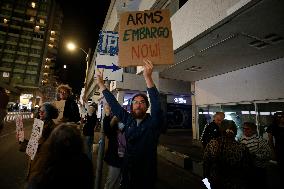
33	4
71	46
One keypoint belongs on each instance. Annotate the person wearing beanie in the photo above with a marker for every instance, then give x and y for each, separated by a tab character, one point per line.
142	131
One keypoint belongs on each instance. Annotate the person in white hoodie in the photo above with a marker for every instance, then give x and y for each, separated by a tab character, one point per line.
260	152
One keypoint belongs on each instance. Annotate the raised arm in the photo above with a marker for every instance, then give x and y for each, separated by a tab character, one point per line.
100	80
147	73
156	111
116	108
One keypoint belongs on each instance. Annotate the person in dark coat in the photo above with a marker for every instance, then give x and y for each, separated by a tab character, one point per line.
71	110
89	129
113	129
142	132
66	165
212	130
276	140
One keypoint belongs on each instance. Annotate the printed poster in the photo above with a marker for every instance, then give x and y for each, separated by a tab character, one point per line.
35	136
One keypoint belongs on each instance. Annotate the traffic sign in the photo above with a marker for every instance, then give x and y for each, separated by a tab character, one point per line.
109	64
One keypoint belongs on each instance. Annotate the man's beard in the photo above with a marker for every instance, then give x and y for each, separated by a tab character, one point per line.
139	115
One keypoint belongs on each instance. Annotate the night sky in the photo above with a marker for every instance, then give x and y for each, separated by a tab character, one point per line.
82	23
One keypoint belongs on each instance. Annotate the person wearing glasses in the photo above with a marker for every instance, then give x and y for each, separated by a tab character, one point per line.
142	131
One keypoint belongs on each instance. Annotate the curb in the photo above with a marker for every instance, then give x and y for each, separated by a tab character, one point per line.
181	160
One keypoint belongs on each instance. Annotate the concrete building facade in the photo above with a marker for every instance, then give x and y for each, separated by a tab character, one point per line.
228	57
29	38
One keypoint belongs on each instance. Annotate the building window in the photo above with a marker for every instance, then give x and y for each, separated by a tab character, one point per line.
259	113
6	74
41	21
5	21
6	12
37	28
33	4
6	64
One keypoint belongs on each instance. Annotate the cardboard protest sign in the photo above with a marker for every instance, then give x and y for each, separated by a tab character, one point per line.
20	135
35	136
145	34
60	107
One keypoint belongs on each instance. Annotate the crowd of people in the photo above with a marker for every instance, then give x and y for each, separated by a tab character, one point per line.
64	157
241	163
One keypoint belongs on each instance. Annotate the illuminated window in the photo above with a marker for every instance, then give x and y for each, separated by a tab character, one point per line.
51	39
41	21
52	32
32	19
36	28
33	4
6	74
5	21
50	45
46	66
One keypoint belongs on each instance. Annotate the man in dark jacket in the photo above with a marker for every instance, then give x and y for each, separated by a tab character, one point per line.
89	129
142	132
212	130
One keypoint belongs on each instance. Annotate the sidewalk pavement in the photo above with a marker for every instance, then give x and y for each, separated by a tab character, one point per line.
178	147
179	161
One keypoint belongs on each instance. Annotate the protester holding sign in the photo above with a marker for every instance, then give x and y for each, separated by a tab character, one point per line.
142	132
40	134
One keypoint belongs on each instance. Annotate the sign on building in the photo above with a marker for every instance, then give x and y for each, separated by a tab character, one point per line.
107	58
145	34
109	64
108	43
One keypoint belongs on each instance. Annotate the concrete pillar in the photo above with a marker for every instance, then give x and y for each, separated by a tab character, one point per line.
120	97
195	130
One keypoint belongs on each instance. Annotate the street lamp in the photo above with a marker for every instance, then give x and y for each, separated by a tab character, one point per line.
71	46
